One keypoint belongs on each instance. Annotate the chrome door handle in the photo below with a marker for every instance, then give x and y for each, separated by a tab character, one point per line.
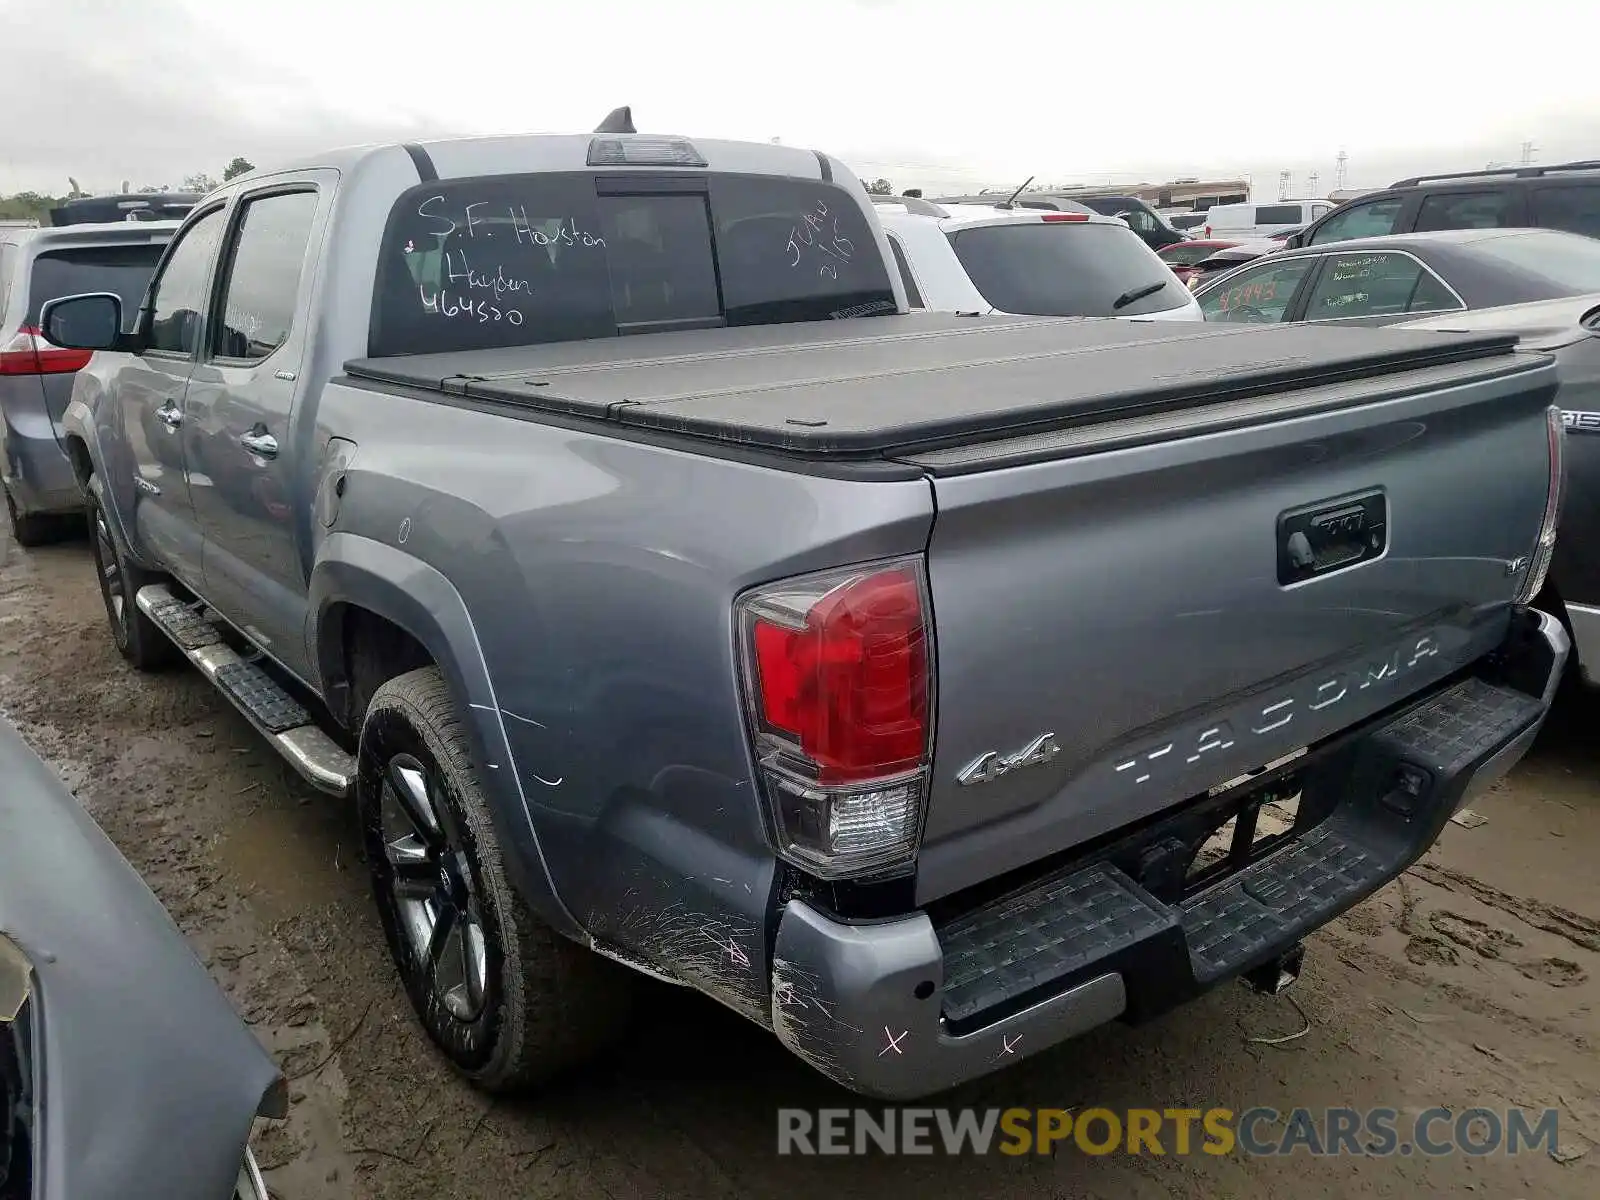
171	416
264	445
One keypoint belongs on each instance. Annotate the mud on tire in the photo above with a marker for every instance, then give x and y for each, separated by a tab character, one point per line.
136	635
508	1000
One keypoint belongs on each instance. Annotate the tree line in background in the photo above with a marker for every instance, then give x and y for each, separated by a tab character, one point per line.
36	206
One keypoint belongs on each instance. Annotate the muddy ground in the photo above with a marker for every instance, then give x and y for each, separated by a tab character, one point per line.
1472	981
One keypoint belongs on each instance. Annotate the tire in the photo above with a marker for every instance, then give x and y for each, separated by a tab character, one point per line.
35	529
508	1000
136	635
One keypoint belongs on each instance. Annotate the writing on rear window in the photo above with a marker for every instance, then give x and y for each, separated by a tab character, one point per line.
817	241
526	259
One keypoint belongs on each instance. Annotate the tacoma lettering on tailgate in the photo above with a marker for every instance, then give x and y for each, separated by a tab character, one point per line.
1279	710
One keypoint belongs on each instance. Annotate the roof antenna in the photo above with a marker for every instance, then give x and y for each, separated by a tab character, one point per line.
618	120
1011	201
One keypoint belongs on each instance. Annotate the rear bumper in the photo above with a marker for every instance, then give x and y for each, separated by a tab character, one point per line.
38	474
910	1006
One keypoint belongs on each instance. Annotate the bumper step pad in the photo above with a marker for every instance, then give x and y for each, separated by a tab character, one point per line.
1450	730
287	724
1016	945
1095	919
1275	901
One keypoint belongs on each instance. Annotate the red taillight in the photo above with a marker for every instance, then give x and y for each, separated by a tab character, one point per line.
1063	216
851	685
27	353
1208	231
838	672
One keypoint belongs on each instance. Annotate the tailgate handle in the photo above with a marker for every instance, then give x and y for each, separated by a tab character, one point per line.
1331	535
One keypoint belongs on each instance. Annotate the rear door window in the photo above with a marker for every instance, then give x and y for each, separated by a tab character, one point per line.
1258	294
122	270
263	281
1374	218
1465	210
1065	269
1574	208
522	260
1373	285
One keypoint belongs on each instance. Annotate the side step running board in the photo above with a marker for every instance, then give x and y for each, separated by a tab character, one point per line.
276	715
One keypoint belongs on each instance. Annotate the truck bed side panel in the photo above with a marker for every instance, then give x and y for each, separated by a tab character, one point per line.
600	575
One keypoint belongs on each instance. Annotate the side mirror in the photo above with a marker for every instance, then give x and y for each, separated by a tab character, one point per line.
1294	241
88	322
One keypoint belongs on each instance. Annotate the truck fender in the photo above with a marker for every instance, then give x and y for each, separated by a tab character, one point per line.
101	474
392	584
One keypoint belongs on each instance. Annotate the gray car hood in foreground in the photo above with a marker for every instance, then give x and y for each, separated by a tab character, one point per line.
150	1081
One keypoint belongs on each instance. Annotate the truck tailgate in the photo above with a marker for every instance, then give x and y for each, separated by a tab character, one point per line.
1140	590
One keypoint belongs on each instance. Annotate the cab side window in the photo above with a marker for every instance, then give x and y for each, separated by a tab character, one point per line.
1256	295
179	295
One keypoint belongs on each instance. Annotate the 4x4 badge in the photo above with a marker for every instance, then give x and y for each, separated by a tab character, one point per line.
988	767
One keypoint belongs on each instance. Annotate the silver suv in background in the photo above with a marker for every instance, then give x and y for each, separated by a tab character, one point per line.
995	258
36	377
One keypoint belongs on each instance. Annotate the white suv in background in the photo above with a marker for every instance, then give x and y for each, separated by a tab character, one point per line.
1028	262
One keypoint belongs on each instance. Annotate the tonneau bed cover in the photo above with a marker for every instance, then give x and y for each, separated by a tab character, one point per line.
918	382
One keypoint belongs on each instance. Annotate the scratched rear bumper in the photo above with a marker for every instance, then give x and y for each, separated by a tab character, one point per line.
907	1007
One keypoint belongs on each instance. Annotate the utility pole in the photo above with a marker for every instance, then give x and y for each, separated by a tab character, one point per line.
1339	168
1311	183
1283	185
1528	151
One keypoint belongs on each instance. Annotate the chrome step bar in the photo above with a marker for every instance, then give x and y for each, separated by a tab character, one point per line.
314	755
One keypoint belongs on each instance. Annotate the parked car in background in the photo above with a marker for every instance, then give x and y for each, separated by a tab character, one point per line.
1568	328
979	258
42	495
1565	196
1229	258
625	568
1238	222
1389	279
124	206
1184	257
125	1074
1186	222
1134	212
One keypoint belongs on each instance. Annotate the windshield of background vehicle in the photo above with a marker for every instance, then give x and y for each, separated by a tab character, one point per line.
1065	269
71	271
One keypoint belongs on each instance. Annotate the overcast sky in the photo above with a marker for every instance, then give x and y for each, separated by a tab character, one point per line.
939	93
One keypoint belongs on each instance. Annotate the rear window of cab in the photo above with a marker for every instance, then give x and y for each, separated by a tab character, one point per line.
518	260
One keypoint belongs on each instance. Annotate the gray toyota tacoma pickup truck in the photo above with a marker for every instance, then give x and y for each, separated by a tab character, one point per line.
590	511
